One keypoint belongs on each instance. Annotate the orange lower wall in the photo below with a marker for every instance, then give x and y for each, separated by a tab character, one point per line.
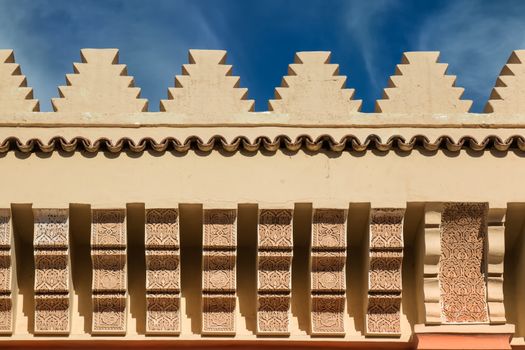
462	341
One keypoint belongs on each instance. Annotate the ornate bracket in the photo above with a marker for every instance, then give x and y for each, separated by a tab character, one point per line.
162	271
383	316
52	277
7	274
108	255
274	263
218	276
328	259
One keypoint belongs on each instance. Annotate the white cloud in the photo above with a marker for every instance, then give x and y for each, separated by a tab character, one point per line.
475	38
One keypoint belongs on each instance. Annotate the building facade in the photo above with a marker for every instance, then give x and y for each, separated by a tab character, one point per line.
312	225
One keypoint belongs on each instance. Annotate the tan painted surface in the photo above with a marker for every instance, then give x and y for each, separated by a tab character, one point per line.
15	96
99	84
313	89
207	88
508	95
420	84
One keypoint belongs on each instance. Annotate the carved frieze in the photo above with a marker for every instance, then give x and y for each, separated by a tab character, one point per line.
52	273
218	275
7	278
383	316
274	261
328	260
162	271
108	256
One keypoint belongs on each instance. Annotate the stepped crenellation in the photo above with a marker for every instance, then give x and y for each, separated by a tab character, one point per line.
206	90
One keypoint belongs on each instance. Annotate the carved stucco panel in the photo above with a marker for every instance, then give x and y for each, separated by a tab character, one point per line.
383	313
274	261
52	273
462	265
7	294
162	271
219	271
108	255
328	260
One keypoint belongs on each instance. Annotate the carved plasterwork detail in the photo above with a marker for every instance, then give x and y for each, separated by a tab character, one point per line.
218	275
52	297
274	261
162	271
461	264
384	278
383	314
108	256
328	260
7	278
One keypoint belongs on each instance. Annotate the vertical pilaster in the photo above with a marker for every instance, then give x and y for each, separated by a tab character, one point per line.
274	263
108	256
432	246
7	274
162	271
327	266
383	316
52	277
495	257
218	276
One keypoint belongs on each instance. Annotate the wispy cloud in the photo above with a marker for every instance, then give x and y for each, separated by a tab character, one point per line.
476	38
364	23
153	40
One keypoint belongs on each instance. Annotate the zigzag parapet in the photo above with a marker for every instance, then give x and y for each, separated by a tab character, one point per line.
313	93
207	88
15	96
313	87
508	96
99	84
420	85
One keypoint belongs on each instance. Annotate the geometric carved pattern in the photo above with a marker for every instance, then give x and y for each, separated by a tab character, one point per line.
462	263
274	262
420	85
218	275
99	84
328	259
108	256
508	95
7	278
162	271
313	86
15	96
52	297
384	276
206	83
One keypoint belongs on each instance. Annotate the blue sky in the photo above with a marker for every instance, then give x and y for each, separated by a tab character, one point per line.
366	38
